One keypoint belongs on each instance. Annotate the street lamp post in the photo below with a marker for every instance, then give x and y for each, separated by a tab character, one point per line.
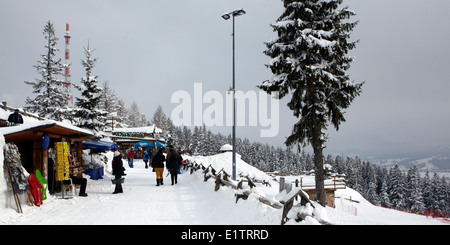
227	16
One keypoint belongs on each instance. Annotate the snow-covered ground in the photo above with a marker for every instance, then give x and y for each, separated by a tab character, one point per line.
191	201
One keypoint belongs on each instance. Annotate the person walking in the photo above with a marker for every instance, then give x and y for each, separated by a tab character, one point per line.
146	158
118	171
173	164
157	163
130	158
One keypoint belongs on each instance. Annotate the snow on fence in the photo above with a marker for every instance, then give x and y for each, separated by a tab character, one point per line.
4	124
244	188
306	181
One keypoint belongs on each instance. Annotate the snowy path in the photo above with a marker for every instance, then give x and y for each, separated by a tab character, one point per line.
141	203
191	201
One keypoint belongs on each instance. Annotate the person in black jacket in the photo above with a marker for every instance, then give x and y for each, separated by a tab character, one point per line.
157	163
15	117
173	164
118	171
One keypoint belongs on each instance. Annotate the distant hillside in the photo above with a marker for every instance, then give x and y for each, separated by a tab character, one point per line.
436	161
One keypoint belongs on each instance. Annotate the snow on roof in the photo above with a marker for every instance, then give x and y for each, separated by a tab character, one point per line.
148	130
31	125
4	114
226	147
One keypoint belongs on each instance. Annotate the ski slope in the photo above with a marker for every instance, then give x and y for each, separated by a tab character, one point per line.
190	202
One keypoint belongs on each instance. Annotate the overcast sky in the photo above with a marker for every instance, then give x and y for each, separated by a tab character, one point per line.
147	50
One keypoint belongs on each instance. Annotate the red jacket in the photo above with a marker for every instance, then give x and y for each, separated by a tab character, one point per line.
131	154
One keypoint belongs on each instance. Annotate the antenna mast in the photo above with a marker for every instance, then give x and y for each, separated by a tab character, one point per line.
67	81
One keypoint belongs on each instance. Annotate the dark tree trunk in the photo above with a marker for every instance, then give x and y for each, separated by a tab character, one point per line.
319	172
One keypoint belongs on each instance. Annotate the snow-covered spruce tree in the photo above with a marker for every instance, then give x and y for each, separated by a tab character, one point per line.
414	192
397	188
122	114
51	98
87	113
160	119
309	61
108	103
427	192
134	116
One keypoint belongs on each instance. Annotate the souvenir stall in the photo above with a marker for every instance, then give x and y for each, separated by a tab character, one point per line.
94	159
126	138
48	148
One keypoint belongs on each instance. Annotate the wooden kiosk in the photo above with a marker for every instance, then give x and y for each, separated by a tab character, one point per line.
29	139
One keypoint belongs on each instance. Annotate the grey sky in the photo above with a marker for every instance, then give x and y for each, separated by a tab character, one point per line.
149	49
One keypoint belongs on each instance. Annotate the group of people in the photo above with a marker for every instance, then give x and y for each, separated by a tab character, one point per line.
173	163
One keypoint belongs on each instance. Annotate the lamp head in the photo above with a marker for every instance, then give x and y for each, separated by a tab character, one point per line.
238	12
226	16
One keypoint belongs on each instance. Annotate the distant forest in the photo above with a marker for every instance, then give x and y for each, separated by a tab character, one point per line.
387	187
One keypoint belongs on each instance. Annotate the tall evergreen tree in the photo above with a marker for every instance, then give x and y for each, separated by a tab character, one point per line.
187	139
51	98
436	192
396	188
414	191
108	103
122	113
427	193
309	59
384	196
161	121
444	196
134	116
87	112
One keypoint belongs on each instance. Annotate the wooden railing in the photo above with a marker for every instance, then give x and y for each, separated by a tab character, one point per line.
6	124
332	181
244	188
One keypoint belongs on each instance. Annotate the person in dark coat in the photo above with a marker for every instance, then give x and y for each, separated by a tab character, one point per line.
118	171
15	117
157	163
77	178
76	175
173	164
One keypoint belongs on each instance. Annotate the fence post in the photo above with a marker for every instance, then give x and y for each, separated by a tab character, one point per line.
334	182
282	186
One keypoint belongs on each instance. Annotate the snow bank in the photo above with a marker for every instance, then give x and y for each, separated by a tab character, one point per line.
224	161
350	194
269	193
222	208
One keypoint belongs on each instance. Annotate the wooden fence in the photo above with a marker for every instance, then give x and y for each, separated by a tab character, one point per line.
332	181
244	188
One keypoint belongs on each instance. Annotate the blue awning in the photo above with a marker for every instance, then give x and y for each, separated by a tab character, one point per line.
159	144
144	144
99	146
